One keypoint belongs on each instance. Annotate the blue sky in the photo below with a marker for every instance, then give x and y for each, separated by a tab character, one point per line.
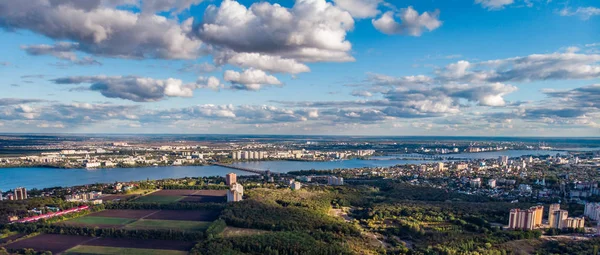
368	67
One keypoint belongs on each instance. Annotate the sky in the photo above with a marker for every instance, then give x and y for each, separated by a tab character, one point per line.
340	67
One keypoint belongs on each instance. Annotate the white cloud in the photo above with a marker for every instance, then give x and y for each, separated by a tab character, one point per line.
310	31
268	63
360	8
411	23
61	50
199	68
250	79
212	83
584	13
361	93
133	88
494	4
101	30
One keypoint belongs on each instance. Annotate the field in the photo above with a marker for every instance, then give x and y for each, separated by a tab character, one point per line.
158	199
103	250
96	245
52	243
128	214
147	219
99	221
169	224
172	196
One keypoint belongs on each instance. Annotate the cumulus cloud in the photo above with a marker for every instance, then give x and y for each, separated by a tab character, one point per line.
18	101
310	31
361	93
275	64
199	68
360	8
101	30
212	83
154	6
133	88
61	50
554	66
494	4
250	79
411	23
584	13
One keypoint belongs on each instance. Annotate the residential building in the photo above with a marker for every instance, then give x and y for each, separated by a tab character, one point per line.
20	193
296	185
553	208
439	166
235	193
230	179
503	160
335	181
592	211
539	213
491	183
522	219
475	183
577	222
559	219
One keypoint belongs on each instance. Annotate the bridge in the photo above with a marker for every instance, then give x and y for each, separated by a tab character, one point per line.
250	170
428	157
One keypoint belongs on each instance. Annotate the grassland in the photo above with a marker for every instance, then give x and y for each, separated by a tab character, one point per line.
158	199
169	224
87	249
96	220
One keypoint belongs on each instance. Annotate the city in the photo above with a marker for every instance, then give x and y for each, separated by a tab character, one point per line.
292	127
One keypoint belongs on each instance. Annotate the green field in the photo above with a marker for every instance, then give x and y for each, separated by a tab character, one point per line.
87	249
158	199
169	224
94	220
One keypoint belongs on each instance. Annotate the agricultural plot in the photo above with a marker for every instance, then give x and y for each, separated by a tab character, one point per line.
103	250
67	244
127	214
195	220
158	199
184	215
49	242
169	224
198	196
99	221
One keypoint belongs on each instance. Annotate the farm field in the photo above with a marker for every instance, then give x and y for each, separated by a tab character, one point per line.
67	244
103	250
168	224
49	242
158	199
172	196
193	220
128	214
99	221
195	215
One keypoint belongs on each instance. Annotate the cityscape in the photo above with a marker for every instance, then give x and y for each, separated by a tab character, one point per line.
293	127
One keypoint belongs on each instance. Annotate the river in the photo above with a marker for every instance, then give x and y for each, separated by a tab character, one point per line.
37	177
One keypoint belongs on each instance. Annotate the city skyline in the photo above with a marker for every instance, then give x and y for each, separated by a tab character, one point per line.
313	67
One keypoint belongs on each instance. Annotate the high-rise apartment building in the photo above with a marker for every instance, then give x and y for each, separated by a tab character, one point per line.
592	211
553	208
230	179
503	160
559	219
526	219
20	193
235	193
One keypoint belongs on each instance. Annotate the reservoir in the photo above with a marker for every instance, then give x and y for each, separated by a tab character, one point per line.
39	177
